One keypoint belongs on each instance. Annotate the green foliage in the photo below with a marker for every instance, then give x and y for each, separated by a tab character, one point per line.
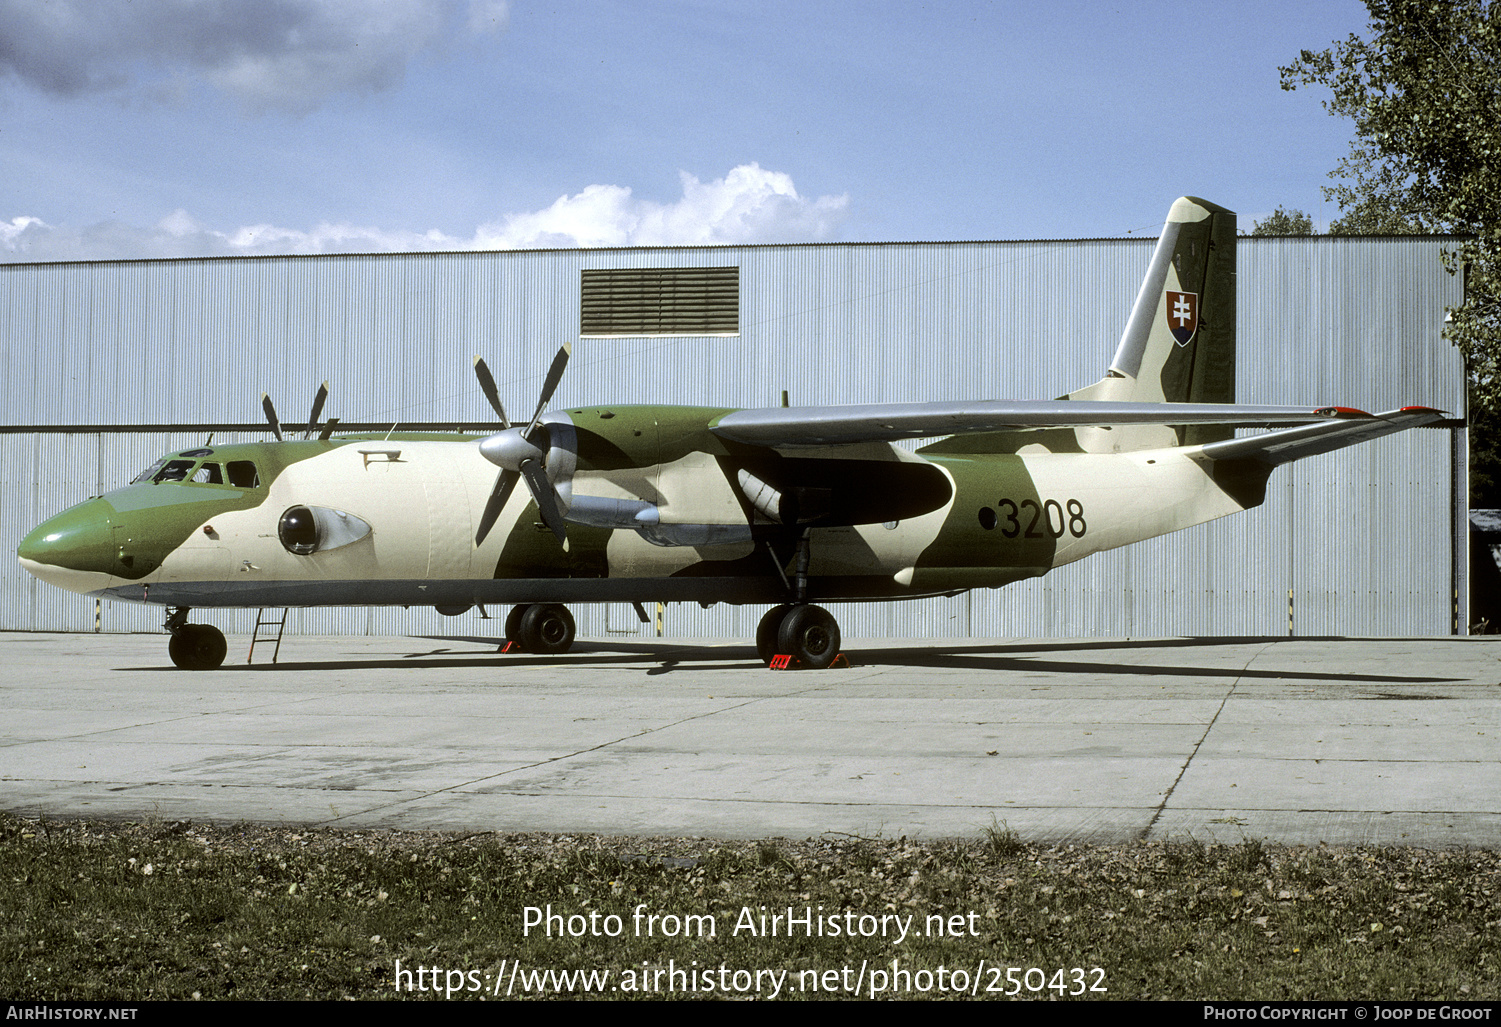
1284	222
1422	94
1485	456
1003	841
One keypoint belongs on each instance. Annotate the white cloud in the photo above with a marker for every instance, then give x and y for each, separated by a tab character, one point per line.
748	205
11	231
271	54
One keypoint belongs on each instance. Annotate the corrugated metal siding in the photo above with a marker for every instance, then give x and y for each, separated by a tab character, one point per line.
1361	537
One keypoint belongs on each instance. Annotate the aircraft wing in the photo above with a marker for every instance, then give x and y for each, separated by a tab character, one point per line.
790	427
1280	447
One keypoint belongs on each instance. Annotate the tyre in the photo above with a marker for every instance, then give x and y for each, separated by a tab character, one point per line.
513	623
766	632
811	634
198	647
547	628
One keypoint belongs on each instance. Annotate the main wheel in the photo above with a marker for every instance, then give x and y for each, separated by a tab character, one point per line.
198	647
811	634
546	628
766	632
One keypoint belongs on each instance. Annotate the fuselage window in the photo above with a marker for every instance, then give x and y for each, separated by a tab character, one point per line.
209	474
242	474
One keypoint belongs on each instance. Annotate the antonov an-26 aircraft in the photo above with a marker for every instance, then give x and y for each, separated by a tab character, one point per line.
786	506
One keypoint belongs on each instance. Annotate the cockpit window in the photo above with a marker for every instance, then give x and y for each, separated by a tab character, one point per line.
149	473
239	473
242	473
175	470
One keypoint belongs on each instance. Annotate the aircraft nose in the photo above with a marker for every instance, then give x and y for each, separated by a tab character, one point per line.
77	539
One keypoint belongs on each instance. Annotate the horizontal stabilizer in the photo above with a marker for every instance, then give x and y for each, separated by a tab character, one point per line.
1280	447
888	422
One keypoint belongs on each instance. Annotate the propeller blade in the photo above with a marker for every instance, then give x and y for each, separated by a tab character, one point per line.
328	429
546	498
530	468
319	399
498	496
270	410
554	375
487	386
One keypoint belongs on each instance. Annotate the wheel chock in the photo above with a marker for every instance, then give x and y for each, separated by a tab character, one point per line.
510	647
783	661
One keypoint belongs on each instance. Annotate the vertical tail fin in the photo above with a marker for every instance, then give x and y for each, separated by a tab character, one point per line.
1179	342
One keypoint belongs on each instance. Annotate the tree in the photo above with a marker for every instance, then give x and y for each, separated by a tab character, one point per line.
1424	95
1284	222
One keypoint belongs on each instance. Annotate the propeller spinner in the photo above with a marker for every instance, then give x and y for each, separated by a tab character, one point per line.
521	453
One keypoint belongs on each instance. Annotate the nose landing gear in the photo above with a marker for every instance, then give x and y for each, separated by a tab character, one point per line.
194	646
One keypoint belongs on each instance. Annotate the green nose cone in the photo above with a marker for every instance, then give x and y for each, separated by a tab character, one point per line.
79	539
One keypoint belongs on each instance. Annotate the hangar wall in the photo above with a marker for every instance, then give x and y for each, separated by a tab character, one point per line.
101	358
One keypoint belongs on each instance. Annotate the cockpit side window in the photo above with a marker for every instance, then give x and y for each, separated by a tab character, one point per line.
209	474
242	474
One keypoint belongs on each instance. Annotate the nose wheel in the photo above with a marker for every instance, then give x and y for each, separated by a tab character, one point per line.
194	646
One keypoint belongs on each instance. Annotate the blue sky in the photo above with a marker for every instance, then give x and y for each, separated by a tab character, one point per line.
185	127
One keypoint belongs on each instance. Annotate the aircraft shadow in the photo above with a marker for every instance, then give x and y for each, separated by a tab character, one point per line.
999	658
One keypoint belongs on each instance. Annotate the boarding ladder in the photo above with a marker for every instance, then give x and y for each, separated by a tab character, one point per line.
263	621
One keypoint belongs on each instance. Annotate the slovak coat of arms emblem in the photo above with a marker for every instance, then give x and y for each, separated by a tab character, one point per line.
1183	315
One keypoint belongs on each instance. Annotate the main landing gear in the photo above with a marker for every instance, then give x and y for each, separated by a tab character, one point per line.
542	628
807	633
194	646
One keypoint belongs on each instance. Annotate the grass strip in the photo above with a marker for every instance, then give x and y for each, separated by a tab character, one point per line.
178	910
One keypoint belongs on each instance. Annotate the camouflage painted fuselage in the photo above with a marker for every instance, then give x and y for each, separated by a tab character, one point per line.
882	522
